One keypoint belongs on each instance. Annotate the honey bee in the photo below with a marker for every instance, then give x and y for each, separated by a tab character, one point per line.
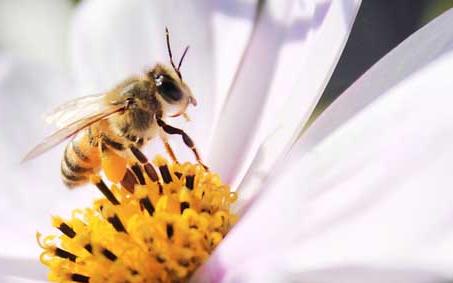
119	122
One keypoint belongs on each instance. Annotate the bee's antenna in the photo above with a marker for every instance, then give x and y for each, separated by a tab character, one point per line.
167	35
182	57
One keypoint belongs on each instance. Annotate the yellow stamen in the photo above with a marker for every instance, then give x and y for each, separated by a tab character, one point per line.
161	232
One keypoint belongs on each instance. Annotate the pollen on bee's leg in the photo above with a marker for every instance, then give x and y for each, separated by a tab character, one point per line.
114	166
161	230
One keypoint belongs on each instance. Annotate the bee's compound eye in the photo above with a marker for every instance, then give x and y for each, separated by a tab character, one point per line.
167	88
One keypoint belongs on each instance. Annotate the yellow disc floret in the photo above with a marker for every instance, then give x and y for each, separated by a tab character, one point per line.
160	232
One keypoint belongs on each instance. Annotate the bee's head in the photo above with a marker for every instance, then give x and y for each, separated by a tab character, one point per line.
172	92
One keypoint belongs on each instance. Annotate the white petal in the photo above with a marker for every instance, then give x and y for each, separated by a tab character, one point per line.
115	39
36	30
232	23
292	54
421	48
376	192
272	271
31	192
14	269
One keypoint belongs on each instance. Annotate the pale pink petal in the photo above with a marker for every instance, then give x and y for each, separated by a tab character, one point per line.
377	192
421	48
231	25
31	192
15	279
293	52
273	271
115	39
36	30
19	270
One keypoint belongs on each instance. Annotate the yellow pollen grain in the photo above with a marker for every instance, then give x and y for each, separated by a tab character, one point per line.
162	232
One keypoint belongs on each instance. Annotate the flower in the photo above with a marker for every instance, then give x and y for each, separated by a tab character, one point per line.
305	224
157	230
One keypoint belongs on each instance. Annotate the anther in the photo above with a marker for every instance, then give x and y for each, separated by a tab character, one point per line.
190	181
138	173
88	248
184	205
170	231
65	229
65	254
165	173
105	190
80	278
178	174
146	204
109	255
116	223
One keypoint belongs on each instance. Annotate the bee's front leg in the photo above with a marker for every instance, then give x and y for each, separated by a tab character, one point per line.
185	137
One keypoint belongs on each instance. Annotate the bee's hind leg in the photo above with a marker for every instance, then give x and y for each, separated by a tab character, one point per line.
185	137
148	168
116	167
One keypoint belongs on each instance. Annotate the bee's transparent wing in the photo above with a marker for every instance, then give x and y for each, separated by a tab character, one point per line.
71	129
75	110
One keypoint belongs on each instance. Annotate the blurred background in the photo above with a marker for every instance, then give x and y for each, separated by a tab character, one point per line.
27	31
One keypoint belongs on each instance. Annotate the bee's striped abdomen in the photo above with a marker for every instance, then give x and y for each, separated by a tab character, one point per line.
80	160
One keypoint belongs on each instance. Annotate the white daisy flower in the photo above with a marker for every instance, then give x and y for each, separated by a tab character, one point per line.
363	195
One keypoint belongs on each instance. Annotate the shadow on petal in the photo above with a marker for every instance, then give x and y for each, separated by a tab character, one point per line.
359	274
22	268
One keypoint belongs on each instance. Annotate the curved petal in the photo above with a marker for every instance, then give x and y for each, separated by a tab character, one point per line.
27	30
265	271
115	39
232	24
376	192
31	192
423	47
14	269
292	54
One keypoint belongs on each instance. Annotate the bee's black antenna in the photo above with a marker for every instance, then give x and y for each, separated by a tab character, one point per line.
182	57
167	35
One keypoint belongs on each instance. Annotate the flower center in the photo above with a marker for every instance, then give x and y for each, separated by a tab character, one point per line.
158	231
